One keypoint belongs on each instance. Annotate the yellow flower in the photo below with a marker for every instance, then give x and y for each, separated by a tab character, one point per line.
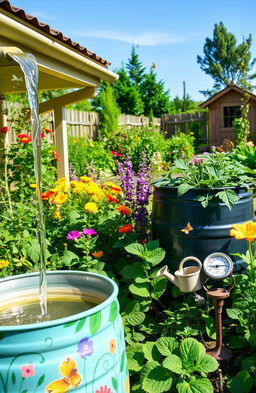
33	185
61	180
85	178
62	187
78	186
91	207
127	384
98	254
56	215
112	345
3	263
244	231
60	198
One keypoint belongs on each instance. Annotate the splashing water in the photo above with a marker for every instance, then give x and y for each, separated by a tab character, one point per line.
28	65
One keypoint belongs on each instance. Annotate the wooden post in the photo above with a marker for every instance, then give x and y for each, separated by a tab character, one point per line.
61	141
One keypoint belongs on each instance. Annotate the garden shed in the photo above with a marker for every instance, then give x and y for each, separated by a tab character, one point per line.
223	108
62	64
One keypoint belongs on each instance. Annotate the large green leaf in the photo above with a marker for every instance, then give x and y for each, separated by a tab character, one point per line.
151	352
155	256
241	383
152	245
134	270
159	286
95	321
156	379
135	357
183	188
139	289
198	385
229	197
206	364
166	345
68	258
173	363
135	318
135	249
190	352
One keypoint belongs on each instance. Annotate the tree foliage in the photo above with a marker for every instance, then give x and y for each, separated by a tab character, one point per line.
225	60
109	111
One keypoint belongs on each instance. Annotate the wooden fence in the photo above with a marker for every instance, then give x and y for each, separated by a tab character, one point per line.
186	122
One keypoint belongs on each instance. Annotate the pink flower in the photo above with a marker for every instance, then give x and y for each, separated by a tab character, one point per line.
89	232
104	389
27	370
72	235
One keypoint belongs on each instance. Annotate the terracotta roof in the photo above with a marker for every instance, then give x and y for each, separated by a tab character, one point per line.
54	34
216	96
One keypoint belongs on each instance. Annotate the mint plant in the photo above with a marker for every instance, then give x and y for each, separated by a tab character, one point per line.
171	367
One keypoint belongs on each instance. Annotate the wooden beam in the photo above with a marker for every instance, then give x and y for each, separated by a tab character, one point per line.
67	99
61	141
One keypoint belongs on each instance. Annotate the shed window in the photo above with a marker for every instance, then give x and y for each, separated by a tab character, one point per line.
230	114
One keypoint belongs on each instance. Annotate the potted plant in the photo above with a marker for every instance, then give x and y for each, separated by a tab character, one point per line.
196	204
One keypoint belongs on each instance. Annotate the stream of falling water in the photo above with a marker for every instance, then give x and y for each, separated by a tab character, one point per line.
28	65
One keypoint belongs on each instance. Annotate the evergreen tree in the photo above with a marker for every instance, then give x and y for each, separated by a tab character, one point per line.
156	99
110	111
224	60
135	69
127	94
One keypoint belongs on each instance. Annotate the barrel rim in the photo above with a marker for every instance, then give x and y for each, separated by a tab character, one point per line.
215	189
70	318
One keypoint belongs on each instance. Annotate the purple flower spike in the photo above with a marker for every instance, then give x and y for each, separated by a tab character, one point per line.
89	232
85	347
73	235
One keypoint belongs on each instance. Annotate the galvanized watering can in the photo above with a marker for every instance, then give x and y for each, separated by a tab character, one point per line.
187	279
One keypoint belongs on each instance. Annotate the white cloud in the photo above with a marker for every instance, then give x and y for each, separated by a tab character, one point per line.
143	39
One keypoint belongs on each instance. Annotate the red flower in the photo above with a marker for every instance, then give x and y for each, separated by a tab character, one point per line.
4	130
24	138
115	153
124	210
43	135
47	195
56	155
111	199
47	131
126	228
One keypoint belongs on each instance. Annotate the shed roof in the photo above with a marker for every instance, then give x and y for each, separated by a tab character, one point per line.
227	89
55	34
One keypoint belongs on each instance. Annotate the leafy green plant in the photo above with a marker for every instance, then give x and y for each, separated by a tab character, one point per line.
245	154
171	368
179	146
109	111
214	172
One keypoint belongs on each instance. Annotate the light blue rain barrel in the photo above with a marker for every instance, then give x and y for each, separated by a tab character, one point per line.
84	351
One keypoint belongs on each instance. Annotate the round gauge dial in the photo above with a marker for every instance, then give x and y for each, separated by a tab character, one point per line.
218	265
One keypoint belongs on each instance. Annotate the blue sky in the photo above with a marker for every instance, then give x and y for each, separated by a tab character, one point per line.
169	33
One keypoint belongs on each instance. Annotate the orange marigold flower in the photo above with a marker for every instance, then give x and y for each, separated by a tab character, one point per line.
111	199
126	228
47	195
112	345
124	210
56	155
115	190
244	231
97	254
48	131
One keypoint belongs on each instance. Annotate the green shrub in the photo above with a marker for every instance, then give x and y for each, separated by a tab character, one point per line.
110	111
179	146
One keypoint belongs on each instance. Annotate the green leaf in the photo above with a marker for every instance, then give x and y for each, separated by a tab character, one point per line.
41	380
134	270
136	318
229	197
234	313
114	383
173	363
135	357
113	311
13	378
68	324
95	321
166	345
80	325
198	385
122	361
139	289
183	188
24	391
135	249
33	251
190	351
159	286
206	364
151	352
156	379
152	245
241	383
155	256
210	326
69	258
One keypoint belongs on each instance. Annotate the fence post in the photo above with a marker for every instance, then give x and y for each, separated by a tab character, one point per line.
61	141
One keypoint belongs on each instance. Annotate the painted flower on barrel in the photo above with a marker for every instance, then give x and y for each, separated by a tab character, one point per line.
85	347
112	345
104	389
244	231
27	370
71	378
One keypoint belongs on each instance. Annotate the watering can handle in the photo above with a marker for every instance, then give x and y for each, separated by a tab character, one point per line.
190	259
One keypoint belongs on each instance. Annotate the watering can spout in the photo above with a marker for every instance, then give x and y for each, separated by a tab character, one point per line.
12	50
164	272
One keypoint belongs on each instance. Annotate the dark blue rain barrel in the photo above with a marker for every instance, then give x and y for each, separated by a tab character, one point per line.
211	225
